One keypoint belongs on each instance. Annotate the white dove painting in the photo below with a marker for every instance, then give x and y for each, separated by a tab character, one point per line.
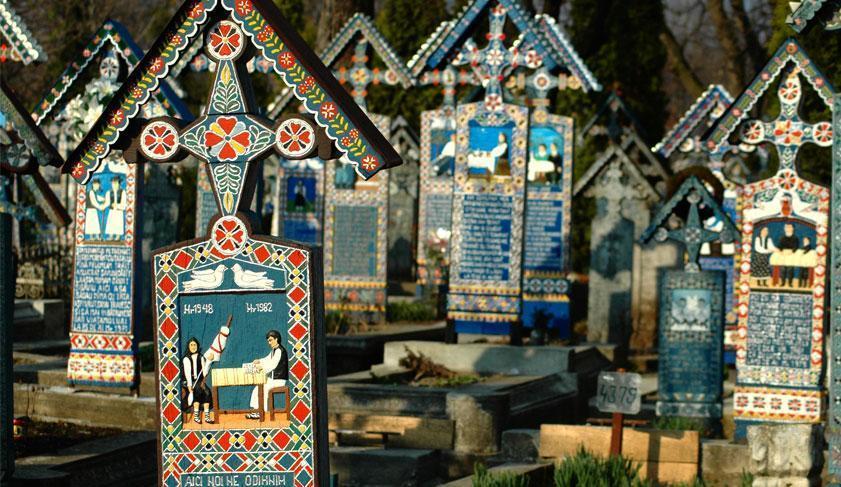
251	280
206	279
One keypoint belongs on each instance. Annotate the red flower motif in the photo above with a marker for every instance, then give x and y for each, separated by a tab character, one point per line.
175	39
353	134
118	117
197	10
790	134
265	34
823	133
346	141
305	86
370	162
160	140
227	138
78	170
136	92
225	40
328	110
286	60
295	138
229	235
156	66
244	7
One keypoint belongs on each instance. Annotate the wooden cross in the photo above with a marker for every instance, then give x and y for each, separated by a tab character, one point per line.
228	136
448	78
359	76
788	132
494	62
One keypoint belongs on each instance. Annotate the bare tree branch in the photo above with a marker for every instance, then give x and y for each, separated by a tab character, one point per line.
743	24
679	65
732	53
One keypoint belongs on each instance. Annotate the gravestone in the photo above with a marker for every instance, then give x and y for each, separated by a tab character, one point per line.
626	182
108	295
299	211
23	149
239	317
782	274
691	301
683	147
803	18
403	203
488	208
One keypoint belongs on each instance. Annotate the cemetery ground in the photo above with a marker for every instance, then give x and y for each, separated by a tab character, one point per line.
405	408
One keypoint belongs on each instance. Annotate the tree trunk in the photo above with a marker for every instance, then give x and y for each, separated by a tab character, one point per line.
755	54
333	16
733	64
681	67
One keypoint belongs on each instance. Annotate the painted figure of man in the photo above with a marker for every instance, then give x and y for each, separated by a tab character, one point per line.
276	367
788	242
115	226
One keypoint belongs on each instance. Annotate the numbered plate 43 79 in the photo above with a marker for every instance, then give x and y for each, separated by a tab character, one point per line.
618	392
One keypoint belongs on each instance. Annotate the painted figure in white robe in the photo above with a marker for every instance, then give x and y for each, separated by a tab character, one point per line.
95	204
115	226
276	367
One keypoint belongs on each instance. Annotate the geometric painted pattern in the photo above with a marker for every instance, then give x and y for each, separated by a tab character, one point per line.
365	149
291	448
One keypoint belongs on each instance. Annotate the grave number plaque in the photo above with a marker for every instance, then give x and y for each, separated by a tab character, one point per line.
619	392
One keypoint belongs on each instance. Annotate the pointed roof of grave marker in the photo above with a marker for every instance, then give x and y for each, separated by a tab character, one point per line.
358	24
705	104
807	13
789	51
633	169
117	36
290	57
687	202
41	153
612	107
571	60
18	118
22	45
445	42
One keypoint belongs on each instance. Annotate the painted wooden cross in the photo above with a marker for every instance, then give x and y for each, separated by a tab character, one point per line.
360	76
493	63
693	234
227	135
788	132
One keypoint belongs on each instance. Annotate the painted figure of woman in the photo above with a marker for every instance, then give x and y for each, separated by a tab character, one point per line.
115	226
195	367
760	264
95	204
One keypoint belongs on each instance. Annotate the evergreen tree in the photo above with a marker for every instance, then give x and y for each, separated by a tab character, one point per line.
619	42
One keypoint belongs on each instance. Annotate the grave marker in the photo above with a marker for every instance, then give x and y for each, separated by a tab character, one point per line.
683	147
253	304
23	148
108	294
782	275
626	181
402	203
691	320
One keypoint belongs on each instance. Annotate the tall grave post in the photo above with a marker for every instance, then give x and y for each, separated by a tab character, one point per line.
23	148
549	189
107	286
804	16
682	146
782	274
356	213
239	317
19	45
691	321
626	182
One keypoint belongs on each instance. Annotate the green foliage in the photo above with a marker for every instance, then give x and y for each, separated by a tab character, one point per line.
586	470
410	311
631	63
483	478
746	480
678	423
337	323
451	382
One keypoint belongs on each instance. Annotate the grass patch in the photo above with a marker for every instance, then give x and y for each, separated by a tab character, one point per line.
483	478
586	470
410	311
